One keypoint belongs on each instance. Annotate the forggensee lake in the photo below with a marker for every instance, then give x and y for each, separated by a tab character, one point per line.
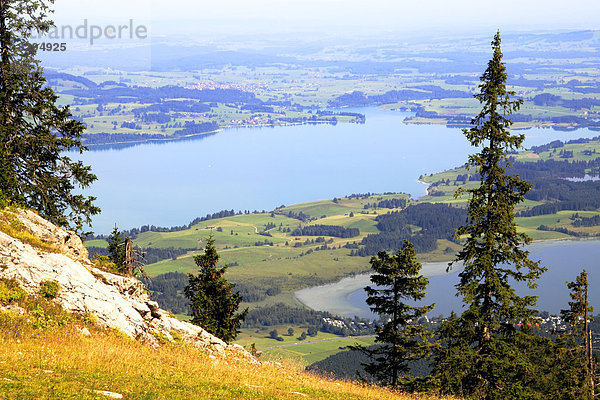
170	183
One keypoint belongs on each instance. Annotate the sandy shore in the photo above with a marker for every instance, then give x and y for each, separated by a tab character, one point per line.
335	297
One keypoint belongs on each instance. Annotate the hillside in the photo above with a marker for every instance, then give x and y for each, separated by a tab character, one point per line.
68	329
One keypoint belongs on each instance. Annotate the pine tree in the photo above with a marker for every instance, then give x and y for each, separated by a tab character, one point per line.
214	305
34	132
401	339
481	354
116	248
578	339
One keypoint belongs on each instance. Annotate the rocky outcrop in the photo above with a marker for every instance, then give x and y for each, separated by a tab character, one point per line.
65	242
116	301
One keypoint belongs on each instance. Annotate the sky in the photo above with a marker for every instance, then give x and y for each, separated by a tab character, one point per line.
346	17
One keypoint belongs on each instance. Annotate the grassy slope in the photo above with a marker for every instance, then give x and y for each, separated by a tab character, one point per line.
57	362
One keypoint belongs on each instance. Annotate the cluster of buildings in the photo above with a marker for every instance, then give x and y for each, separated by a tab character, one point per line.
239	86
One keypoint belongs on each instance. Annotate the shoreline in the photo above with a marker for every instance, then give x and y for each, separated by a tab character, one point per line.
222	128
426	189
335	297
164	139
443	120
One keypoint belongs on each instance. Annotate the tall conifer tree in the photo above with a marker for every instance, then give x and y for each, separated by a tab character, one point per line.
34	132
579	336
214	304
400	340
116	248
481	353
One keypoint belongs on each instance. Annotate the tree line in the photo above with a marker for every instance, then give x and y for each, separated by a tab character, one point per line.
144	94
436	221
151	254
326	230
178	106
422	92
563	195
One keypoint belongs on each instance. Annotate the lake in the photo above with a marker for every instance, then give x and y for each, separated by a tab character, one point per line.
564	260
170	183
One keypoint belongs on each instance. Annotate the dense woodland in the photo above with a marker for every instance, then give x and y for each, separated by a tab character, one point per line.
167	290
143	94
326	230
360	99
150	255
347	364
423	224
562	195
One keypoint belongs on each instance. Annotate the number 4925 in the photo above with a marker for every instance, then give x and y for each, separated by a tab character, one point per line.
51	46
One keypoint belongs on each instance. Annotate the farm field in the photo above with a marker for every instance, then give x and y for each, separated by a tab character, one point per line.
308	351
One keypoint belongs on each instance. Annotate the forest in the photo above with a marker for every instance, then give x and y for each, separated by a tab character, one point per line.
360	99
563	195
423	224
326	230
142	94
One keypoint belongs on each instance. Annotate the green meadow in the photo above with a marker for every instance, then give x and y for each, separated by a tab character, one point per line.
312	349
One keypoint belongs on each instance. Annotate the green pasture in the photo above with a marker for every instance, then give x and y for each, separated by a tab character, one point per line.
245	230
308	351
312	352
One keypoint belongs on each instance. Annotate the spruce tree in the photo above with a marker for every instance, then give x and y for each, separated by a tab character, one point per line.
481	353
401	339
214	305
116	248
35	133
578	338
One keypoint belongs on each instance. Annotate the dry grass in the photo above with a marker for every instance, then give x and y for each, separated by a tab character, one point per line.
57	362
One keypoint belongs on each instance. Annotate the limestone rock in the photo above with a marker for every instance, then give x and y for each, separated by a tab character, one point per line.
67	242
116	301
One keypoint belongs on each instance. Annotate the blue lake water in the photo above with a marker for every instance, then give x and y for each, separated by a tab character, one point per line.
170	183
563	259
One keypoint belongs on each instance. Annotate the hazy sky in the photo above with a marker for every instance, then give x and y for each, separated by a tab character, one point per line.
337	16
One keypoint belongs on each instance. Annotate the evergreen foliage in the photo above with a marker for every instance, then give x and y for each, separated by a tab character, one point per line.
35	133
483	351
167	289
214	305
578	339
436	221
401	339
116	248
326	230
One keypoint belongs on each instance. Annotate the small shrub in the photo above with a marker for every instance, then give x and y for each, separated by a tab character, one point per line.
10	291
42	319
104	263
175	335
89	318
119	333
254	351
162	338
49	289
